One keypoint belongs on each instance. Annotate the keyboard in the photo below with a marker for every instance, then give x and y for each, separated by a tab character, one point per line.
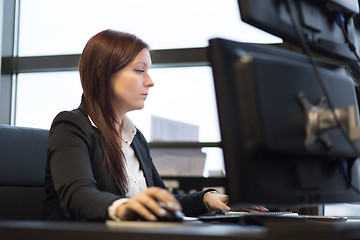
259	218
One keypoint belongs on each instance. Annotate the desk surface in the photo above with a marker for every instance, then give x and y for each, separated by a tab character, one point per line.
38	230
126	230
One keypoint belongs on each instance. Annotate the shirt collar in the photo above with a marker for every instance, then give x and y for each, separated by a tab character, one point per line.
128	130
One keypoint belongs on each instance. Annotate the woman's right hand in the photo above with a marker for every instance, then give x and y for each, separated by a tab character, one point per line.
146	205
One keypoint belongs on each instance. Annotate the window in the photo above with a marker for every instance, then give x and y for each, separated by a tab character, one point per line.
40	96
342	209
181	94
62	27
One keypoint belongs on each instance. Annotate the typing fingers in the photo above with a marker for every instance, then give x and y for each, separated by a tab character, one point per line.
216	201
255	209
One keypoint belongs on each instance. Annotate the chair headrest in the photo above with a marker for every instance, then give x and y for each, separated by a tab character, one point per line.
22	156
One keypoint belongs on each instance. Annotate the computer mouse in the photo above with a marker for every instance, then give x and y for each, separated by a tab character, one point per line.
171	216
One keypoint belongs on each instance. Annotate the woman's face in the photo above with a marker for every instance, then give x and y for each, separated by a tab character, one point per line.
131	84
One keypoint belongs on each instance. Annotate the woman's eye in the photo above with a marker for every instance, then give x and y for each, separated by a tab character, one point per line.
139	71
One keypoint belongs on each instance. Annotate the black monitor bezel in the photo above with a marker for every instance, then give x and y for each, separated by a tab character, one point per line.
241	174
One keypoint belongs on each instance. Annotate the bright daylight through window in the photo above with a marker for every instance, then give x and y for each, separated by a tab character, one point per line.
186	94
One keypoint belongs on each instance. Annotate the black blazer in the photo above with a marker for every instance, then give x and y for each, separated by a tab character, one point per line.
78	184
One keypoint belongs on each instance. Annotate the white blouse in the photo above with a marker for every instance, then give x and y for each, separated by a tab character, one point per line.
135	176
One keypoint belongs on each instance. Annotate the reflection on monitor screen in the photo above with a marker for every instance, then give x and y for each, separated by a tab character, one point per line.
274	154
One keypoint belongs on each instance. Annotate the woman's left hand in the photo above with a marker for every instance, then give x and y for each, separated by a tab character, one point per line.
216	201
255	209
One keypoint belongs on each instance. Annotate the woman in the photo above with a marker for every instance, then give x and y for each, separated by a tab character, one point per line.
98	164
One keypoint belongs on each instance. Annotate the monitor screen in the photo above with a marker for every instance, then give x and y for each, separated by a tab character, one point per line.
317	20
263	95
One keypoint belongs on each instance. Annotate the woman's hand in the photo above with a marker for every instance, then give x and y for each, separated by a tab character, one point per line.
216	201
146	205
255	209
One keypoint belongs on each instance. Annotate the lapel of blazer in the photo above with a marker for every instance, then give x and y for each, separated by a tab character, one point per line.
121	189
100	150
142	155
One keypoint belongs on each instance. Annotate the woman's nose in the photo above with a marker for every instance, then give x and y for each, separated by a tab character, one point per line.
149	81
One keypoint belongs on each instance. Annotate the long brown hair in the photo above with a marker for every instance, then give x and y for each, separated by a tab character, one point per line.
106	53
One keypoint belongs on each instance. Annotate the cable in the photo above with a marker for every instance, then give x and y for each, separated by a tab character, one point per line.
343	169
318	76
348	181
340	21
323	87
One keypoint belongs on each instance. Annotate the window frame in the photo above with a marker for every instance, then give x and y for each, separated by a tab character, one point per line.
12	65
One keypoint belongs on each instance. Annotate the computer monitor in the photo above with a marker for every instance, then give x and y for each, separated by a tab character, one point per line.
316	19
263	95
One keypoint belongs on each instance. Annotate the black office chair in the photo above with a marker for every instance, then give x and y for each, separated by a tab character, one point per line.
22	169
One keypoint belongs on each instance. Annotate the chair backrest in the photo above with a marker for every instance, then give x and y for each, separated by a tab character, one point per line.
22	170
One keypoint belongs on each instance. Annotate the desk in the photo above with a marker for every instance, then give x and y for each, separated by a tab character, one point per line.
20	230
12	230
